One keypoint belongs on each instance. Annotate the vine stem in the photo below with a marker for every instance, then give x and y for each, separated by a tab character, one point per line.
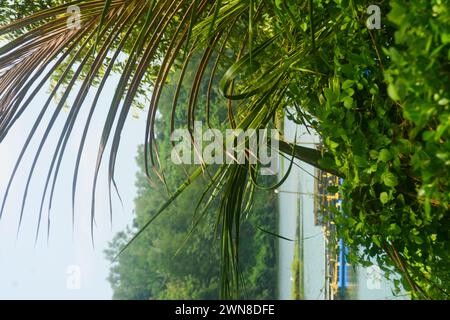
311	22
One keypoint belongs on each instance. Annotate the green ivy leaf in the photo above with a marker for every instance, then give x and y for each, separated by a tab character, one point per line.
384	198
279	4
384	155
394	229
373	154
393	93
347	84
417	239
333	145
348	102
376	240
389	179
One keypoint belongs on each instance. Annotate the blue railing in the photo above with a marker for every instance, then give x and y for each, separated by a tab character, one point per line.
343	281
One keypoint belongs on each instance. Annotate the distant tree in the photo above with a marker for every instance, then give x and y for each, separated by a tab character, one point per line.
163	263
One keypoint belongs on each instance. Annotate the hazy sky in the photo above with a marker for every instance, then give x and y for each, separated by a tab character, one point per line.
47	271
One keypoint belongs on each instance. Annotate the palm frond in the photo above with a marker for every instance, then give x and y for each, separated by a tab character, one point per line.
149	35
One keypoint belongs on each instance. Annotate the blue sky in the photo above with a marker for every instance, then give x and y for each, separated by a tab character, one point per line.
41	272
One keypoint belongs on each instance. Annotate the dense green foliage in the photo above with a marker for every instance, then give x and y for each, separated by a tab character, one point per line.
383	112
